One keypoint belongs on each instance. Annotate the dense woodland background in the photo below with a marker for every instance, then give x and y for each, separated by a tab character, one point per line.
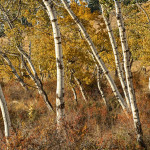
88	124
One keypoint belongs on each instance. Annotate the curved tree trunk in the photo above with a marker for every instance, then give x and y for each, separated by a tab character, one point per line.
71	82
128	74
116	54
98	81
60	104
100	87
39	85
5	114
96	55
74	94
25	55
138	5
81	88
13	70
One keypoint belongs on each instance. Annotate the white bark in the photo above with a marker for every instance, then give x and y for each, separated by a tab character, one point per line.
81	88
116	54
13	70
74	94
60	105
96	55
33	75
73	89
41	74
39	85
5	114
100	87
98	81
128	74
21	66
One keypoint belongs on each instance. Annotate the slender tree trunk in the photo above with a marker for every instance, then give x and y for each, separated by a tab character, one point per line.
100	87
96	55
98	81
39	85
21	66
81	88
75	94
5	114
13	70
127	68
25	55
138	5
73	89
60	104
116	54
41	74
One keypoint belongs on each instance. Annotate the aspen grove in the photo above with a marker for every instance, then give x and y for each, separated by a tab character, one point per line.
74	74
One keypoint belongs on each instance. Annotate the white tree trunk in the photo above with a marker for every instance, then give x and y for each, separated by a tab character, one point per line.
96	55
5	114
100	87
128	74
13	70
81	88
39	85
21	66
33	75
74	94
98	81
73	89
116	54
60	105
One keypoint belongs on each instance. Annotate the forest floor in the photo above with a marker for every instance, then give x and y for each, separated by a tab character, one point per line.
89	126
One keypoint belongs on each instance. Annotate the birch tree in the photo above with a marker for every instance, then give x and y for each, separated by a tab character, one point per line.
96	55
72	85
116	53
13	70
98	81
60	104
5	114
100	87
33	74
81	88
128	74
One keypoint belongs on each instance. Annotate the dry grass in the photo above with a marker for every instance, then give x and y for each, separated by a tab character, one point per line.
88	126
